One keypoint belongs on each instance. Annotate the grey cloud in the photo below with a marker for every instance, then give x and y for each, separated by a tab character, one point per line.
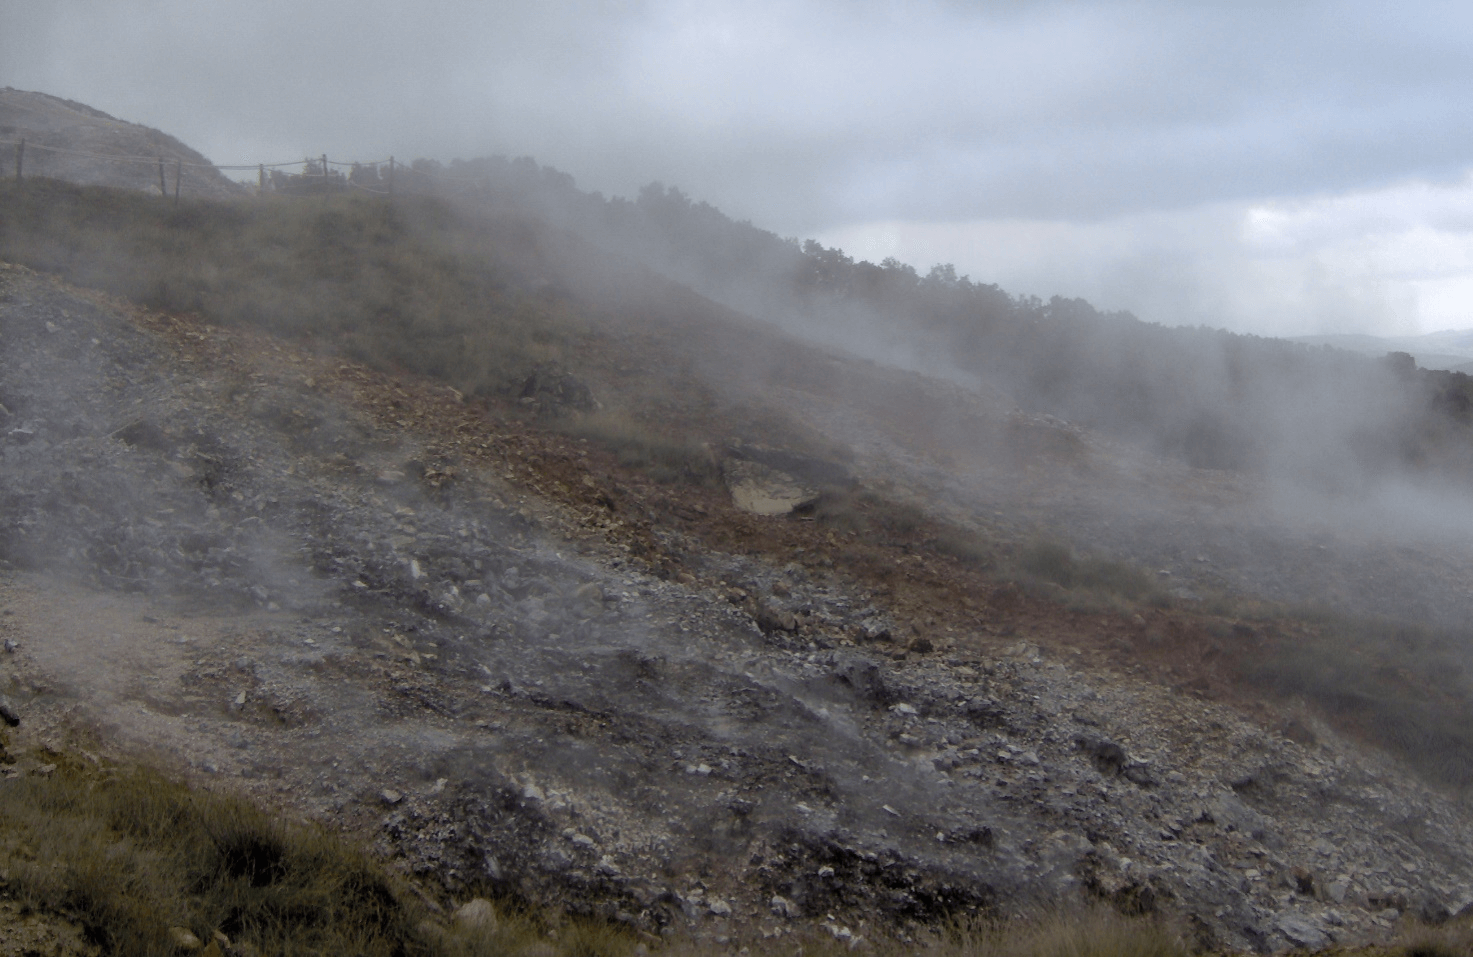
800	114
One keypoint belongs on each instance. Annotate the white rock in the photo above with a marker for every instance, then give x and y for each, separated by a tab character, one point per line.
477	914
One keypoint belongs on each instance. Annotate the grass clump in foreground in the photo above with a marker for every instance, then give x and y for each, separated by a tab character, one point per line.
129	854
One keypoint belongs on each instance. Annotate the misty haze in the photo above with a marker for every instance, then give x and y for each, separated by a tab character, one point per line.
553	555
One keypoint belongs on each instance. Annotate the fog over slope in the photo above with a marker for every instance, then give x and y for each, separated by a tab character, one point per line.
1326	422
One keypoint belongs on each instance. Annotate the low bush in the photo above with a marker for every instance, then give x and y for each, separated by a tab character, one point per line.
1401	687
637	445
1053	562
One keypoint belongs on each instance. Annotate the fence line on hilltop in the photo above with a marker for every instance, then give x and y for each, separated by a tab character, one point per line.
319	174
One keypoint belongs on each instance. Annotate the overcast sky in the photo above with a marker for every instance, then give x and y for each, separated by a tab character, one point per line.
1275	167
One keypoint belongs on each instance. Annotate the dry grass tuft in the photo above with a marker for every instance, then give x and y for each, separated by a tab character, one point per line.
1053	562
128	854
636	444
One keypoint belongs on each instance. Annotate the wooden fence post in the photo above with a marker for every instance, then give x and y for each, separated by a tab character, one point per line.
20	158
263	178
163	190
178	175
324	172
391	176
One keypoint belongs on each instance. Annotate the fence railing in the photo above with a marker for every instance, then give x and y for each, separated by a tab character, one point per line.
318	174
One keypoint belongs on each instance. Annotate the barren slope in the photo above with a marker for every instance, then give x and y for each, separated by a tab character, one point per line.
515	662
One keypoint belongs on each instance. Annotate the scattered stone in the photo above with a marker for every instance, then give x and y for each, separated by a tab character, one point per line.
782	907
719	907
390	797
181	939
8	712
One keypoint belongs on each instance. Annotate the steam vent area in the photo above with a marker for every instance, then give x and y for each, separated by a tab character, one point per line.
580	596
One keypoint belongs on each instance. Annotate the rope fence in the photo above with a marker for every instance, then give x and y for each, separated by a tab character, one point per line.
319	174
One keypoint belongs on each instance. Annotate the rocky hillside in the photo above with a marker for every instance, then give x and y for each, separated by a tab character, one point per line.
553	579
71	141
514	660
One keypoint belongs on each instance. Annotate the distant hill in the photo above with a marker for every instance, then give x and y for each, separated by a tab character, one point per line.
1450	349
72	141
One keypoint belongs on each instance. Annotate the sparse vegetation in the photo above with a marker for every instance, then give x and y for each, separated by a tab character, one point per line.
128	854
1399	686
1454	939
407	285
1053	562
639	445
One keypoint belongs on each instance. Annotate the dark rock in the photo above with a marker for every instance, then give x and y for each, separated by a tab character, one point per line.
556	392
1139	772
1108	757
985	713
772	617
865	678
